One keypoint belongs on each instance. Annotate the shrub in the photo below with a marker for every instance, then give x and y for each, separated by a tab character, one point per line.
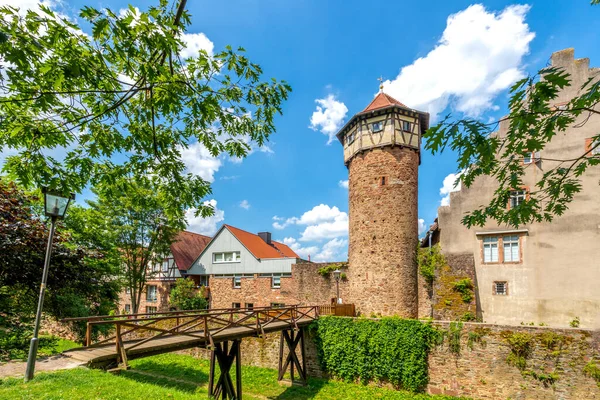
520	348
429	260
575	323
390	349
465	288
185	296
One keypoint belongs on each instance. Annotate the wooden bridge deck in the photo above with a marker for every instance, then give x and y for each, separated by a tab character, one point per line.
168	343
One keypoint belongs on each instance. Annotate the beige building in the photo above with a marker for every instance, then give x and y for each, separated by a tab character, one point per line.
541	273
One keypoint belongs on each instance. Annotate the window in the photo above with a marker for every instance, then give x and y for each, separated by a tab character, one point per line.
165	264
230	256
128	290
249	306
127	308
517	197
203	280
377	126
237	281
277	305
406	126
595	147
490	249
350	137
150	310
500	288
151	293
276	282
528	158
511	248
236	305
382	181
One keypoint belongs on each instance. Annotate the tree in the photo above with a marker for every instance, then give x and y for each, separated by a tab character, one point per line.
533	122
131	216
124	90
185	296
91	288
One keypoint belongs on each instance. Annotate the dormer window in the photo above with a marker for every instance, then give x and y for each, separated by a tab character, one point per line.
376	126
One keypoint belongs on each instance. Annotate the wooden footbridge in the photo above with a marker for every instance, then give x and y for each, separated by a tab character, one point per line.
221	331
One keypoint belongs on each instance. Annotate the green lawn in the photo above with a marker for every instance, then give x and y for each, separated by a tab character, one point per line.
48	346
182	377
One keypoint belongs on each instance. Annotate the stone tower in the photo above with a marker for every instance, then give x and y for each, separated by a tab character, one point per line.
382	153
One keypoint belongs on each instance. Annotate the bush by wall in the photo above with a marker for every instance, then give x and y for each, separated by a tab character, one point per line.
390	349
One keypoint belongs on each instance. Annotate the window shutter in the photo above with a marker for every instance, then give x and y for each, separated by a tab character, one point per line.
537	157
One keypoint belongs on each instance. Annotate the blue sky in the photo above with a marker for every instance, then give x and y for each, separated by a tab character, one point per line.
334	51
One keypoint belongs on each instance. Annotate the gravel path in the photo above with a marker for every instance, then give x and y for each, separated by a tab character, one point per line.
17	368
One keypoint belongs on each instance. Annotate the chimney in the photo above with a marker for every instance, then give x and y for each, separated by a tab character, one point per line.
266	236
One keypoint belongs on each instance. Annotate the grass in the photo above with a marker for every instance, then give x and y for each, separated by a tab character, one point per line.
173	376
48	346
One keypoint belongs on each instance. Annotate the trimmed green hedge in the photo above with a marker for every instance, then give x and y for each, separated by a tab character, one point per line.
390	349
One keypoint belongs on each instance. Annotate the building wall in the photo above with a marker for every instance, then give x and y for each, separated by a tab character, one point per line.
559	275
305	287
248	264
383	231
163	288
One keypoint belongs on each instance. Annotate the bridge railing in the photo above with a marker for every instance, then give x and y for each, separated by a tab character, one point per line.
204	325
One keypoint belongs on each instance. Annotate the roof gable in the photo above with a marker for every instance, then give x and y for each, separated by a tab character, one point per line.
382	100
186	247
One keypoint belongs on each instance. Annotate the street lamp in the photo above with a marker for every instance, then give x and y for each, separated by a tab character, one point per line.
55	207
336	275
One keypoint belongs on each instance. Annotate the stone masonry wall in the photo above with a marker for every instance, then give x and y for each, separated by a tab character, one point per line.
163	289
482	372
383	229
447	303
313	289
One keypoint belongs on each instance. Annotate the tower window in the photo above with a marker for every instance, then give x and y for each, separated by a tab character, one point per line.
382	181
406	126
377	126
350	137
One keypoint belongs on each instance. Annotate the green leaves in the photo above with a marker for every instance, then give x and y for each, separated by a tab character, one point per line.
89	110
389	350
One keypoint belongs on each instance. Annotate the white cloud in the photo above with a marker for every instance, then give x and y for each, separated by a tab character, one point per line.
194	42
449	185
245	205
199	161
24	5
422	226
303	252
343	184
320	213
479	55
334	250
324	222
329	116
205	226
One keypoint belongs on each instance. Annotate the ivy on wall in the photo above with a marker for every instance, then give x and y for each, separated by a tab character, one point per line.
390	349
430	260
326	270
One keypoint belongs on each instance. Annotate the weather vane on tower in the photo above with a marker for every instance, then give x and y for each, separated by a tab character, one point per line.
380	79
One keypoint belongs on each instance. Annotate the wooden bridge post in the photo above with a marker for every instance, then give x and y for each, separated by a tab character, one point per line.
292	340
88	334
225	355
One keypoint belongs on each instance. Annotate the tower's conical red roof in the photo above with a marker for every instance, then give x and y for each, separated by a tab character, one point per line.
382	100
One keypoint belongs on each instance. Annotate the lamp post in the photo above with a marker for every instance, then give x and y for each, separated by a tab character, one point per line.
336	275
55	207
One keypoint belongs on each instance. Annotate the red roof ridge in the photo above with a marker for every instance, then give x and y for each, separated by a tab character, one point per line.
383	100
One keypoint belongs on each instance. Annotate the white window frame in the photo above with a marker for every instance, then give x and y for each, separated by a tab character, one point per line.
127	290
528	157
237	281
379	125
127	308
491	242
151	310
150	298
166	264
504	288
236	257
511	242
276	278
517	197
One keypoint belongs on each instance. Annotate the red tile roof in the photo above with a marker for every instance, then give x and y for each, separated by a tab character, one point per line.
259	248
186	247
382	100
